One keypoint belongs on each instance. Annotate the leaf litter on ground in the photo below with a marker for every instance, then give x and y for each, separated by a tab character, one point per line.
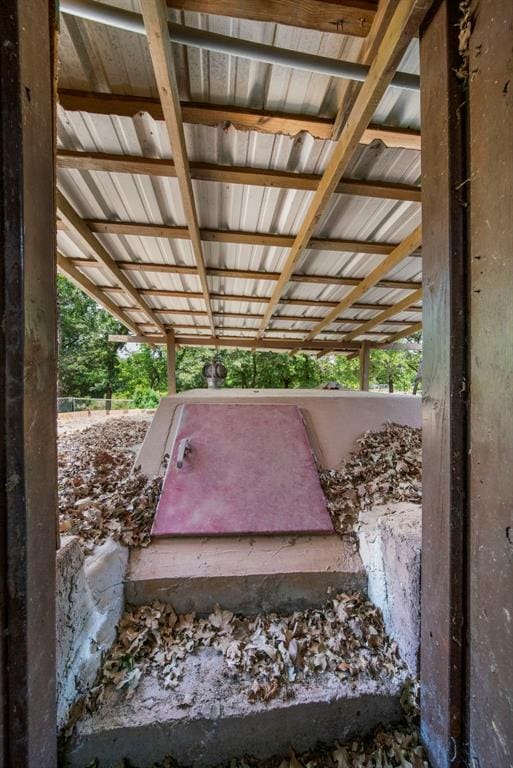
100	494
386	467
267	653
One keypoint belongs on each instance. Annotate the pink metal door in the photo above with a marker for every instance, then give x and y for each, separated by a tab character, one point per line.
245	469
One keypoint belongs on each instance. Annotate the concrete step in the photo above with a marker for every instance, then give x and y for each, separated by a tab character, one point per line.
208	719
243	574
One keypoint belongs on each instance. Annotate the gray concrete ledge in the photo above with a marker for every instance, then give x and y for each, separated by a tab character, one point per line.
208	718
245	575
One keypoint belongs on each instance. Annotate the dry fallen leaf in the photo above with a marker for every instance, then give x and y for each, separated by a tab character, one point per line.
387	466
99	495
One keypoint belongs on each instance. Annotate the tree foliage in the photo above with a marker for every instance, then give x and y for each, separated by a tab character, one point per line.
90	365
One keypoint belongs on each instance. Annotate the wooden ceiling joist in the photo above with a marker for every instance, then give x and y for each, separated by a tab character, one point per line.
242	274
155	21
373	279
245	298
245	329
241	118
226	174
237	237
411	329
242	342
395	39
96	294
103	259
349	88
256	317
347	17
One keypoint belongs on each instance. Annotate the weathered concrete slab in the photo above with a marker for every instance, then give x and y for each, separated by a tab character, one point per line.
245	575
89	604
390	546
208	718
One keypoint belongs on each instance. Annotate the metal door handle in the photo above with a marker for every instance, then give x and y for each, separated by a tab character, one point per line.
184	447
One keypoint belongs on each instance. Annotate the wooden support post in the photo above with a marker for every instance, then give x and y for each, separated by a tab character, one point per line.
445	385
490	524
28	396
364	366
171	363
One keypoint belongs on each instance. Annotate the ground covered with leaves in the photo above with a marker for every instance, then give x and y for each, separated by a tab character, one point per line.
99	494
386	467
266	653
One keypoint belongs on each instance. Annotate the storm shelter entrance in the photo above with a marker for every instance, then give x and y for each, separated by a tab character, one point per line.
467	320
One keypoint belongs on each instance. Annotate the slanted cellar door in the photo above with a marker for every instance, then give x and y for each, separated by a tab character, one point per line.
241	469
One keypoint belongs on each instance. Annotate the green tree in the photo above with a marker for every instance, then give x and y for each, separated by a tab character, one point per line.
88	361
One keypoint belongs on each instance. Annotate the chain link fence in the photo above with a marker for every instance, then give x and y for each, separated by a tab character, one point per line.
78	404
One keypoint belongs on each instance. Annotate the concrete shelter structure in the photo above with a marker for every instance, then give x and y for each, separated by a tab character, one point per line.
212	198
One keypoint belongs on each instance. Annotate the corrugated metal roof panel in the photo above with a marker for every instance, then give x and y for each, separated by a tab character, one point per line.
98	58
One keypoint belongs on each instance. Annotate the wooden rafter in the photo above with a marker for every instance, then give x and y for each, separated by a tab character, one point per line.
409	244
245	298
348	17
348	88
238	237
279	345
255	317
103	259
150	166
414	328
155	21
396	37
242	341
244	329
243	274
384	316
82	282
245	119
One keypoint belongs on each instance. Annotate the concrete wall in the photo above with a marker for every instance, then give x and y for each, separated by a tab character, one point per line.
334	419
390	547
89	604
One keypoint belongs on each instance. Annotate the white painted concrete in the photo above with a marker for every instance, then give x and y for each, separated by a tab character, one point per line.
390	539
334	419
89	604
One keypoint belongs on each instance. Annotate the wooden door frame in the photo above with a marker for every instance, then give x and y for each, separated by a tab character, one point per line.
28	465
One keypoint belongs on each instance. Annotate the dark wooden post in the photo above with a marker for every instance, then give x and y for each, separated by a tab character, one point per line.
490	638
445	386
28	468
364	366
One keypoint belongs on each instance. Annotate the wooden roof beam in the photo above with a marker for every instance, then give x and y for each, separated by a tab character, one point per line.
96	294
134	229
347	88
415	328
155	21
250	299
91	244
241	118
242	342
256	317
396	37
347	17
226	174
243	274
